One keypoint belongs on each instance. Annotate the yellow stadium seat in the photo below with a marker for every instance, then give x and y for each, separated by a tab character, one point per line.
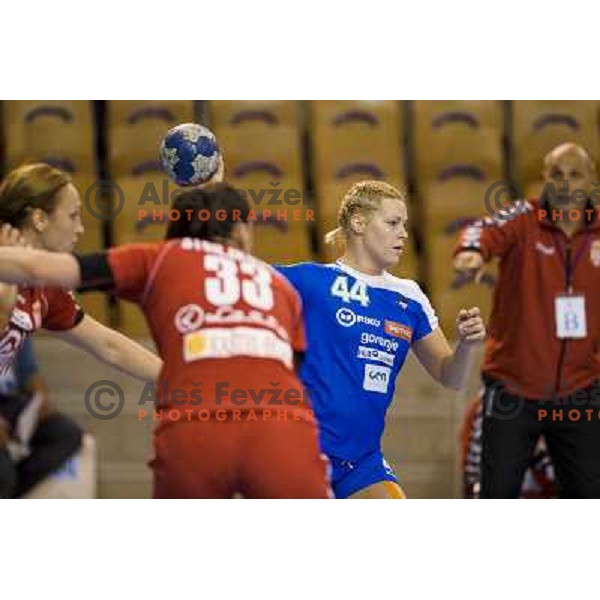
466	114
451	152
135	129
145	203
384	114
356	138
259	148
266	162
534	188
370	153
278	245
30	110
131	112
60	132
457	139
284	217
540	125
444	203
237	113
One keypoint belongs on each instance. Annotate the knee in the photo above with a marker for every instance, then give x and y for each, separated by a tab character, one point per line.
60	429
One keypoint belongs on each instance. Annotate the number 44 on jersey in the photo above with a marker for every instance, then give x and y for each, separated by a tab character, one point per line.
356	293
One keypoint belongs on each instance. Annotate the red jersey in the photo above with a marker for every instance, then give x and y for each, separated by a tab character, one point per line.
225	323
36	308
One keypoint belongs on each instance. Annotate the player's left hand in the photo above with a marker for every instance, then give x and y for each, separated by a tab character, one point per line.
469	326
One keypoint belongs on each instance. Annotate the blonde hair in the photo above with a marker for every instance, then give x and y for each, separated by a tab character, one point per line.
363	197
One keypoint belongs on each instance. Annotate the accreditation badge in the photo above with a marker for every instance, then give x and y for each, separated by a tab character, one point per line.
569	314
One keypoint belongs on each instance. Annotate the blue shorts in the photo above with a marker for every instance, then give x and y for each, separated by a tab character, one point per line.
348	477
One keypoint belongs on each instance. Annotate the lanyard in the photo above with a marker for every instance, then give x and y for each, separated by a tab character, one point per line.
565	258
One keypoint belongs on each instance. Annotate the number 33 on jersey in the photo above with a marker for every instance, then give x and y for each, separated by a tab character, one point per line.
228	303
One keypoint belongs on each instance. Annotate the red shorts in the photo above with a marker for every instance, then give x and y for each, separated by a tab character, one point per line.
257	458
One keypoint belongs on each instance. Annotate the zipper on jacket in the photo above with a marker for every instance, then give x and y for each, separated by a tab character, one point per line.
568	290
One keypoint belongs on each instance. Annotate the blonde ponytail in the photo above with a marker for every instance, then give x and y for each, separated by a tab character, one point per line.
334	236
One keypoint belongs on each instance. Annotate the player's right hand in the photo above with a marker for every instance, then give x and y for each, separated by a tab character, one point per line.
469	263
218	176
10	236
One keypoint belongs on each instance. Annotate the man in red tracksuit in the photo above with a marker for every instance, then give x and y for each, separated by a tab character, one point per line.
542	358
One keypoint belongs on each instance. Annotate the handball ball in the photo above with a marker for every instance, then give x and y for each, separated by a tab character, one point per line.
190	154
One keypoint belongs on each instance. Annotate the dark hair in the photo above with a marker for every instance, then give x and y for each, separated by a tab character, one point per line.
30	187
208	213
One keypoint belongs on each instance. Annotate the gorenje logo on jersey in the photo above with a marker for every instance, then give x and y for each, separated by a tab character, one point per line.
346	318
377	340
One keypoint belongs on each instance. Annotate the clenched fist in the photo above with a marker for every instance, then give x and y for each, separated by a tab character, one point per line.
469	325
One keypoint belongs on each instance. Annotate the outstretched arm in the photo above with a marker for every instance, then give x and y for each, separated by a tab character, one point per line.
490	237
451	368
114	349
28	267
9	237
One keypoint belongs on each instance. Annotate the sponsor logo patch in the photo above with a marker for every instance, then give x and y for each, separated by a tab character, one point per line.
236	341
189	318
347	318
376	355
398	330
376	378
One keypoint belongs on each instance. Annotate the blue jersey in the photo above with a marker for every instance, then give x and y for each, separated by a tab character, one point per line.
359	330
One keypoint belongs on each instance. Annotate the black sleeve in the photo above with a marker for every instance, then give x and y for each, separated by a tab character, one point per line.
96	275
